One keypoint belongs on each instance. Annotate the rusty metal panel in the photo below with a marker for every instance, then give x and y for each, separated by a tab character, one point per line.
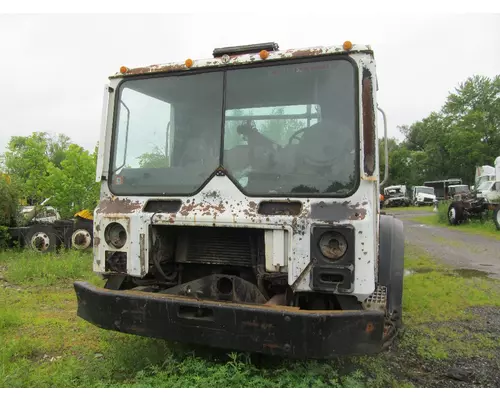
269	329
368	108
241	59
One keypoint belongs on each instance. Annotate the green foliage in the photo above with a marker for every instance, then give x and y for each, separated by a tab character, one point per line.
9	201
26	161
4	237
450	143
42	166
73	182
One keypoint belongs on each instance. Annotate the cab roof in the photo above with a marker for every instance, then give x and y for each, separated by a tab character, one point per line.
248	54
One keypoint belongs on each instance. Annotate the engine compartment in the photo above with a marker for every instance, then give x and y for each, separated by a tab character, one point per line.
220	264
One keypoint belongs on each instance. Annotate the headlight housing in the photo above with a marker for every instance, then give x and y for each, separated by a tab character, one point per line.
333	245
115	235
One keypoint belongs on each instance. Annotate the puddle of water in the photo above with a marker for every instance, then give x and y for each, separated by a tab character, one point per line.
470	273
417	271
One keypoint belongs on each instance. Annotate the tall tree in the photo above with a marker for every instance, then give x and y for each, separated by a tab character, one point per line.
73	184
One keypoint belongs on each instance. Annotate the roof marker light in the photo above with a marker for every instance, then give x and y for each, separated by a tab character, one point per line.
347	45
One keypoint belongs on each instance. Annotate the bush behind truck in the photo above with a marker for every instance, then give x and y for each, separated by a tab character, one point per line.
239	205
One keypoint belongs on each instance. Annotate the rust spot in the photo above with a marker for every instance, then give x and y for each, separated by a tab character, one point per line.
369	327
118	206
97	241
156	68
203	208
368	123
305	52
337	211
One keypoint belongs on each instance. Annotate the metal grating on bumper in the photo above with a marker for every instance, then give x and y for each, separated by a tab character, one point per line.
377	301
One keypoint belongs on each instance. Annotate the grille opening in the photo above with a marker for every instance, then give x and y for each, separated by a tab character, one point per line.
225	247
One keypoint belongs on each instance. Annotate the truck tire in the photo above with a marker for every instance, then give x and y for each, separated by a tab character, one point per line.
41	238
496	217
391	264
456	213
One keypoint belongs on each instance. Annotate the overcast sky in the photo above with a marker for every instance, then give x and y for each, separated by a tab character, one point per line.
53	67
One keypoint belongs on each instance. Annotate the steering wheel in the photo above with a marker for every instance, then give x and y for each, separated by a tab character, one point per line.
294	136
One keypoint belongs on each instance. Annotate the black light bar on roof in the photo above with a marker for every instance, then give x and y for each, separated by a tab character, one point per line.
246	49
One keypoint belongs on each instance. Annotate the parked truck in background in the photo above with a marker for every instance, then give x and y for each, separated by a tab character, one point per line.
423	195
441	187
41	228
253	223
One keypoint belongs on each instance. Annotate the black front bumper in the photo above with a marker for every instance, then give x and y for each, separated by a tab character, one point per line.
275	330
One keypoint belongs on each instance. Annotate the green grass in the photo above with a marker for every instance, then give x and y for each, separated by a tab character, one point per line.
436	303
485	228
44	343
36	269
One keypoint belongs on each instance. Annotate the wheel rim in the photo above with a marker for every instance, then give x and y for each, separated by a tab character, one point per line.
40	242
81	239
452	214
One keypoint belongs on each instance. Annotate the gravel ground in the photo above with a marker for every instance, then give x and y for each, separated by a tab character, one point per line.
461	250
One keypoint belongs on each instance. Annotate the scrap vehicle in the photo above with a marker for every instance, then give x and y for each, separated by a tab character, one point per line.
40	227
467	204
485	173
396	196
423	195
42	230
253	222
441	187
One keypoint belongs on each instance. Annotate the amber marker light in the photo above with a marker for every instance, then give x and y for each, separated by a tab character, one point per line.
347	45
264	54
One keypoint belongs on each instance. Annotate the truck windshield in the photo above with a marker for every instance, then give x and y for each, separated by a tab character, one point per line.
425	190
277	130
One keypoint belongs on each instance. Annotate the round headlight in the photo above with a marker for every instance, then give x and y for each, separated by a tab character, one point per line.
115	235
333	245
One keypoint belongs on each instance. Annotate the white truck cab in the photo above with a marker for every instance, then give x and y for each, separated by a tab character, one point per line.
239	204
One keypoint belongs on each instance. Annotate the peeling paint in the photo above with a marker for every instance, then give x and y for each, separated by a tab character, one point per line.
116	206
335	212
241	59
